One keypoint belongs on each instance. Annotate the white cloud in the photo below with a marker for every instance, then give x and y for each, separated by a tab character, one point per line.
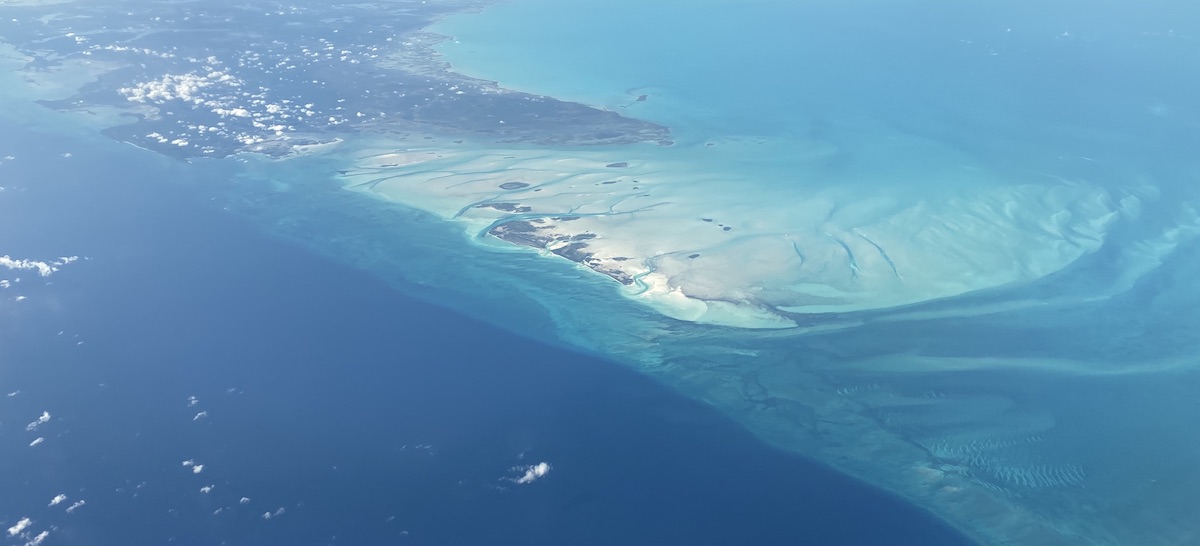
183	87
37	540
37	441
57	499
43	268
20	526
235	112
188	462
41	420
200	416
532	472
196	469
144	51
245	500
207	488
192	401
76	506
277	513
218	91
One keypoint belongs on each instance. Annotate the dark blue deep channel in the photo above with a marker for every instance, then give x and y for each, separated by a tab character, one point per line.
367	416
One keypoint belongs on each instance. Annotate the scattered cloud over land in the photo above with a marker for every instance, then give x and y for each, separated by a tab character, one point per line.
188	88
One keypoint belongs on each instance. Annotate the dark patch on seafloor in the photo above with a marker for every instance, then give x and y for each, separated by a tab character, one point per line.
533	233
505	207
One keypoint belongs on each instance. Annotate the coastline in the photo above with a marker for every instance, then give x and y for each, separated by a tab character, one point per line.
674	228
946	508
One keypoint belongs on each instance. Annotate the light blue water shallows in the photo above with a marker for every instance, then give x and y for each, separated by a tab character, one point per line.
1001	417
907	151
766	67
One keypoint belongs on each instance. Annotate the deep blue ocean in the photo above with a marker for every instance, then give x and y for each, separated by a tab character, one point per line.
351	413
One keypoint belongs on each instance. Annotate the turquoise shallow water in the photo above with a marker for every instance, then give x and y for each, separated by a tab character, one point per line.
906	152
764	68
991	405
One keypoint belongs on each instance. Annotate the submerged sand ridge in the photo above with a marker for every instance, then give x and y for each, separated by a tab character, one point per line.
721	247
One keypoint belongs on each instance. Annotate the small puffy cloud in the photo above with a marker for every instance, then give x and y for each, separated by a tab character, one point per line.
76	506
20	526
43	268
37	540
188	462
192	401
37	441
245	500
183	87
196	469
200	416
41	420
235	112
57	499
532	473
275	514
207	488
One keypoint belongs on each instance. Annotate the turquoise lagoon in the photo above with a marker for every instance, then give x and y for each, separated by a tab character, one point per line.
946	248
